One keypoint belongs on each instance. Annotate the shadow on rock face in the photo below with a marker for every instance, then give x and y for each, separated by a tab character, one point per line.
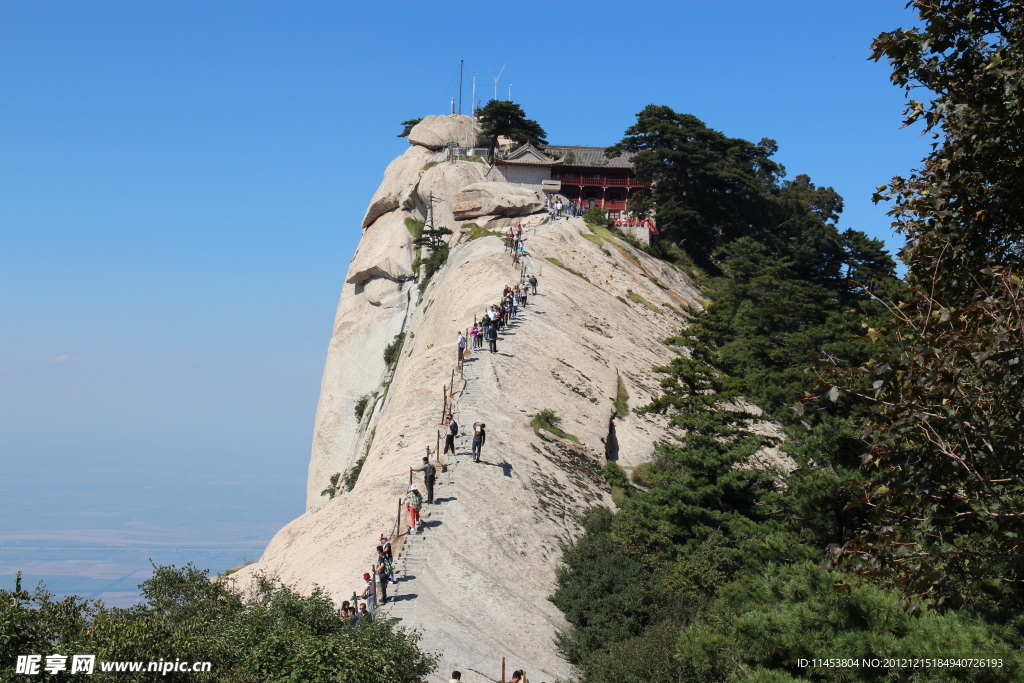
506	467
406	596
611	443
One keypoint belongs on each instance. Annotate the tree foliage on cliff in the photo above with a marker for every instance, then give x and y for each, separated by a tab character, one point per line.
946	485
708	534
707	188
503	118
913	451
407	127
275	634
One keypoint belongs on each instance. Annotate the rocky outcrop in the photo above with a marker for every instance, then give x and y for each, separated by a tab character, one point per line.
435	132
496	199
386	251
399	178
476	581
438	183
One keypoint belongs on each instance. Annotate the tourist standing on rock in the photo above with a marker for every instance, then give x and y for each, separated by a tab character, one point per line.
381	568
428	471
366	617
461	341
479	438
385	543
485	323
492	338
369	593
533	283
519	233
474	334
449	437
413	503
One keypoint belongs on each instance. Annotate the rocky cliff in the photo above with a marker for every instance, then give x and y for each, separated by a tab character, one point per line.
475	582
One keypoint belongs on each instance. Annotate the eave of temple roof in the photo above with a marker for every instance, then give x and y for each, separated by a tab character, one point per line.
572	155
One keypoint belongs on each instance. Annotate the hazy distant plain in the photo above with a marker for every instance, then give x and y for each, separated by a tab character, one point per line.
93	532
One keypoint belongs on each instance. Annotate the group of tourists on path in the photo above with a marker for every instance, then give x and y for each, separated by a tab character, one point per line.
496	317
375	583
518	676
559	209
375	588
514	242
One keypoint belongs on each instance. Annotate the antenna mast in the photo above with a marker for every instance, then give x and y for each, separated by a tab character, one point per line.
509	92
472	104
496	81
461	62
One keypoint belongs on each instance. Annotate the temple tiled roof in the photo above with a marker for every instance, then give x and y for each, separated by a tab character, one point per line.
587	156
528	155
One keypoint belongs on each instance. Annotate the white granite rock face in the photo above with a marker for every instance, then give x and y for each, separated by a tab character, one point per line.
436	132
385	251
443	182
399	179
496	199
476	581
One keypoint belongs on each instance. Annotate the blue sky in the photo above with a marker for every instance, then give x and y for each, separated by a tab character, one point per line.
181	185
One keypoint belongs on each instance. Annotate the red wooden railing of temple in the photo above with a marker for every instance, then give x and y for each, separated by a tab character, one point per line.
601	182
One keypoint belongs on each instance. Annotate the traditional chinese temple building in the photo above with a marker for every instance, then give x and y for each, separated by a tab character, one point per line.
581	174
588	176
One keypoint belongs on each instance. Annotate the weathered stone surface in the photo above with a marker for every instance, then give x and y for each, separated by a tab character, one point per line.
476	581
436	132
369	316
399	179
496	199
443	182
386	251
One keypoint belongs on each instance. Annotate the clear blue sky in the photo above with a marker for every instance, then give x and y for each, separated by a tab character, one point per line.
181	185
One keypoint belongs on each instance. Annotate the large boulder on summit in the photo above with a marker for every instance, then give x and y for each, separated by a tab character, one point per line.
386	251
399	180
442	182
445	180
436	132
496	199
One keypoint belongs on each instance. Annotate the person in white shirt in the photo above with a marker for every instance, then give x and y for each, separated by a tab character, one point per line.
369	594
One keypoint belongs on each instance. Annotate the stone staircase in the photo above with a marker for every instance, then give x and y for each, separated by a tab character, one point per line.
419	551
